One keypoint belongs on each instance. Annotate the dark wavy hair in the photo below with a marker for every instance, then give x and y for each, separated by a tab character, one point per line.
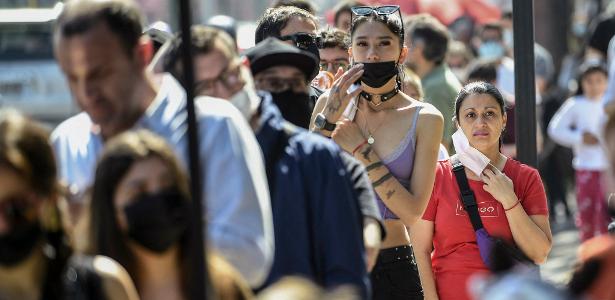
334	38
105	236
275	19
302	4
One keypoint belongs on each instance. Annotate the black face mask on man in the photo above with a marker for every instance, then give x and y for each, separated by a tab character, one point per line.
379	73
17	244
157	221
294	106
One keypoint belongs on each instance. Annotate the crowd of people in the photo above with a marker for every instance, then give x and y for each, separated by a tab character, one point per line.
373	158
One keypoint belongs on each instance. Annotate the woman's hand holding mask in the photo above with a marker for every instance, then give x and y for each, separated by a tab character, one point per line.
499	186
339	97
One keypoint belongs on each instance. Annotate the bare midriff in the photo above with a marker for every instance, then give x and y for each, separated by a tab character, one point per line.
397	235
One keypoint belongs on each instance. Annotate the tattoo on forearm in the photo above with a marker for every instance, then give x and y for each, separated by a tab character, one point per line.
390	193
382	179
373	166
366	152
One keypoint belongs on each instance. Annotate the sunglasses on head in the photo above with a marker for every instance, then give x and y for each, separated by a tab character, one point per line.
303	40
380	10
384	10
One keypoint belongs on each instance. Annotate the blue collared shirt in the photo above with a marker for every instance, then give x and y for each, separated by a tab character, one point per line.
317	220
238	214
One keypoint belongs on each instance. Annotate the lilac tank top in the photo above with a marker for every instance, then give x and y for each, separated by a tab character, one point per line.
400	163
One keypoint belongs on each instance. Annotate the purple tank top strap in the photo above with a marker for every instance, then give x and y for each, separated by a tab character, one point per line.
401	162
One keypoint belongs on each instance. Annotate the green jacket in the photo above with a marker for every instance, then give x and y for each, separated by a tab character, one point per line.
441	88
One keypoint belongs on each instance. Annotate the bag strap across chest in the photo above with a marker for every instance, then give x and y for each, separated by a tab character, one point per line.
467	195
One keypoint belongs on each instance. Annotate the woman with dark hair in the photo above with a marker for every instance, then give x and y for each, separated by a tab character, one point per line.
511	200
35	257
392	134
139	215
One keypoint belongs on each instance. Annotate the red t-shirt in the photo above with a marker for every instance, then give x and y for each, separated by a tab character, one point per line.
455	257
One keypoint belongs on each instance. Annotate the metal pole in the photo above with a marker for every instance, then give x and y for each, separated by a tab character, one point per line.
199	279
525	89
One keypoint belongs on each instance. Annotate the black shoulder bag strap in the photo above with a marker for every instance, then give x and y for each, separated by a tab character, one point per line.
471	207
467	195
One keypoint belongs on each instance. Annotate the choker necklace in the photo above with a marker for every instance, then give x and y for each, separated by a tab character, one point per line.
383	97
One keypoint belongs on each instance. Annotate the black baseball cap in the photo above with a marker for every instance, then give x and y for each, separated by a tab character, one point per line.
272	52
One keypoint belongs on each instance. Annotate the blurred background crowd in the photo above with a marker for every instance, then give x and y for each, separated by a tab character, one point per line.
459	42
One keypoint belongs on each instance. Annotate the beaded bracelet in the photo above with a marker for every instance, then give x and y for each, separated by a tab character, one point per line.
507	209
358	147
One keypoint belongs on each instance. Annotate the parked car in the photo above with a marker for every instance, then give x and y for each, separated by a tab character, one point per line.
30	79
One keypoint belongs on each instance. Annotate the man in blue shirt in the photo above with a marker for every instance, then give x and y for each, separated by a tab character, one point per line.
316	216
99	47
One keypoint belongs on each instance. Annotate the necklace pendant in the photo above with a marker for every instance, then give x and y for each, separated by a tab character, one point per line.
370	140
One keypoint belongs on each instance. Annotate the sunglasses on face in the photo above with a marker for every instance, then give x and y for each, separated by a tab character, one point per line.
380	10
303	40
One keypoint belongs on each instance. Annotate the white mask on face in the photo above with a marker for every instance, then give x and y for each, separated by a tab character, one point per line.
468	155
246	100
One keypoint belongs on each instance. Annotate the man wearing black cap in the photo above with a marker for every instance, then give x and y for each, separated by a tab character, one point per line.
295	27
285	71
317	219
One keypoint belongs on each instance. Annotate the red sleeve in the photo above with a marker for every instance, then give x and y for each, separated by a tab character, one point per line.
432	205
533	196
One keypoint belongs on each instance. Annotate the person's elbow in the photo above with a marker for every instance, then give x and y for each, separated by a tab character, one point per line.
414	213
260	267
552	132
540	257
251	258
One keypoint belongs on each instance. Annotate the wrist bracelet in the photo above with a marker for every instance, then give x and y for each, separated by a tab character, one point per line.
359	147
507	209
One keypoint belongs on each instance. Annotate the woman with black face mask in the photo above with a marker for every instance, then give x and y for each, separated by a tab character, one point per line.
139	215
396	137
35	257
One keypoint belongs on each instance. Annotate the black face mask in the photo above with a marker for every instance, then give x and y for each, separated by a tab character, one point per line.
295	107
17	244
157	221
378	74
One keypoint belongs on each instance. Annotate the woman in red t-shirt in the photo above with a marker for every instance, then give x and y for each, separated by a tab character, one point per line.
510	196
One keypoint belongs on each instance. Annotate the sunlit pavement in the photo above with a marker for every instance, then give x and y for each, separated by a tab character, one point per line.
562	259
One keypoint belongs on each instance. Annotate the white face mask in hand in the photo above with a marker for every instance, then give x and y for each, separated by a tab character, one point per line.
468	155
246	100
